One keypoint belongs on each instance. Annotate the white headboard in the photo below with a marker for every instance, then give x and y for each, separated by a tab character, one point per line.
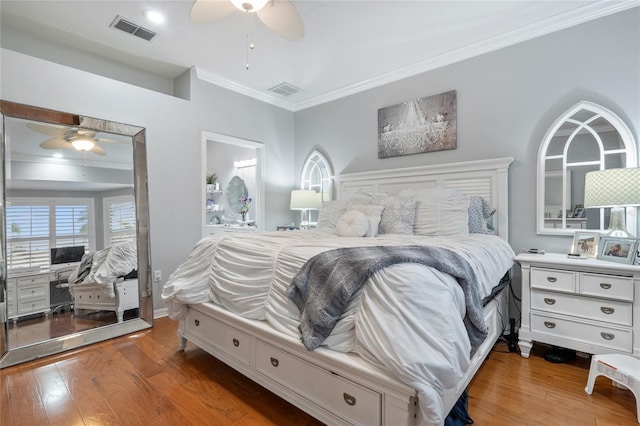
487	178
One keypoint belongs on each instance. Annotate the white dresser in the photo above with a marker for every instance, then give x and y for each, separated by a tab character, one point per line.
229	229
27	294
590	305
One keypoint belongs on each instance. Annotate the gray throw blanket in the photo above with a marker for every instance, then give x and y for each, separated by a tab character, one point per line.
323	287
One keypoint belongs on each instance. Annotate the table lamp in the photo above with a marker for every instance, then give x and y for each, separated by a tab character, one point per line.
615	188
305	199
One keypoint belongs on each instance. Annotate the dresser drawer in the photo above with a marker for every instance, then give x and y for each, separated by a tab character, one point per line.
32	280
32	291
597	335
609	286
226	338
33	306
553	279
611	311
352	402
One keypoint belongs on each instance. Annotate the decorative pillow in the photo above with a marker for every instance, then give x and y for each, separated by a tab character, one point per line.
329	215
442	212
480	216
352	224
373	213
399	212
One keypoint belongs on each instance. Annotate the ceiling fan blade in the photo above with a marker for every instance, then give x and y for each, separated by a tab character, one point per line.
98	150
47	130
281	17
55	143
105	140
205	11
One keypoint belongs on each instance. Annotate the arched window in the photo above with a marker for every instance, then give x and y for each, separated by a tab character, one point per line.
585	138
317	175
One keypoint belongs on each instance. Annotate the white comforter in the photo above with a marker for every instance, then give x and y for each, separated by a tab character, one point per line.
407	318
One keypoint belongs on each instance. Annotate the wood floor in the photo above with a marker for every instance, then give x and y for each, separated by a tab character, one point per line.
143	379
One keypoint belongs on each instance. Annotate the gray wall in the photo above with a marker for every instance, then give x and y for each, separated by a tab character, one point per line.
507	100
174	141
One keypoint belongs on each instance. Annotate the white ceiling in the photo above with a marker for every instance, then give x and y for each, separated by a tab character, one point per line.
349	46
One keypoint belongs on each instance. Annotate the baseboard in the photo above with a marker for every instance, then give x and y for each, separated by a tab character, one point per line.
159	313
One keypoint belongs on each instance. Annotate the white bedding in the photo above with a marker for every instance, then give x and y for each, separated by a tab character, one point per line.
107	265
406	319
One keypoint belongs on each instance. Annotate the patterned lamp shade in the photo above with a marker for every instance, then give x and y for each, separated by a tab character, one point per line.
612	188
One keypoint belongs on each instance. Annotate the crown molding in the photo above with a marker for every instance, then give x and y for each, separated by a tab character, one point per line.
559	22
213	78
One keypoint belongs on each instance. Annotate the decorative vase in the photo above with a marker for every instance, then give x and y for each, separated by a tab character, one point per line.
244	216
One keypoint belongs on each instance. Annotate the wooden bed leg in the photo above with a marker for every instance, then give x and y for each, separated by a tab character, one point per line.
120	315
182	342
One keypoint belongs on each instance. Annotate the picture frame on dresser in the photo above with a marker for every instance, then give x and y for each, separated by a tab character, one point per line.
616	249
585	243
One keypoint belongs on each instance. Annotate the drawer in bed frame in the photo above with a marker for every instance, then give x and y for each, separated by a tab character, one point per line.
336	388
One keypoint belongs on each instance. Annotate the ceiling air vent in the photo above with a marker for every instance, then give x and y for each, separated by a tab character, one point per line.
133	29
285	89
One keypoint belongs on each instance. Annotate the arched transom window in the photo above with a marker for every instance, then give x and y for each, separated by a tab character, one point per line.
317	175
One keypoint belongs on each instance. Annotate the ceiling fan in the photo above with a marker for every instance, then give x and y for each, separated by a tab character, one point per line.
84	140
280	16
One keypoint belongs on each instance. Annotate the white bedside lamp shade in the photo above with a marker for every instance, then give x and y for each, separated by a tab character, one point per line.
305	199
615	188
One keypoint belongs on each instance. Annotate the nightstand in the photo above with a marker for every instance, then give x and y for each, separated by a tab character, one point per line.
587	305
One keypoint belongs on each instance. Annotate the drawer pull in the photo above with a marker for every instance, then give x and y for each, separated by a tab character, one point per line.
197	323
606	310
236	342
605	286
552	279
549	301
349	399
275	362
607	336
550	324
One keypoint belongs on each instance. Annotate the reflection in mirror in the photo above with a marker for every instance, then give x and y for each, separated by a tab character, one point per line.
75	234
236	190
587	137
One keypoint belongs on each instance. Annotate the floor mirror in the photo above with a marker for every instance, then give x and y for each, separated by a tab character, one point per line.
74	232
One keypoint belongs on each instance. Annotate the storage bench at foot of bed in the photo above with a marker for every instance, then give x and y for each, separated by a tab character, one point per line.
336	388
91	296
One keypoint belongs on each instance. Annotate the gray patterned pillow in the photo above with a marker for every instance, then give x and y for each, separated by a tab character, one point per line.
480	216
398	216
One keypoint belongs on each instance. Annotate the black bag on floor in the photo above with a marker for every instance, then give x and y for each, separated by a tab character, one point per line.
459	415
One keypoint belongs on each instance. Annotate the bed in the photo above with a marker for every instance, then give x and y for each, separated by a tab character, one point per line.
106	280
390	356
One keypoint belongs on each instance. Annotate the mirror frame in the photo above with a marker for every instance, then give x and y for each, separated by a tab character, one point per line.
12	356
631	161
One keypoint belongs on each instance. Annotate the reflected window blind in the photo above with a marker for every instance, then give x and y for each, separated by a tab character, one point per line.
122	220
28	235
72	226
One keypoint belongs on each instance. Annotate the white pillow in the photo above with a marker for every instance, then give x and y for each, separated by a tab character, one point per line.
329	215
352	224
443	212
373	213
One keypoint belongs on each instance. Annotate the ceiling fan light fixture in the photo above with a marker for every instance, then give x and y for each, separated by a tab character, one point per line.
82	144
249	5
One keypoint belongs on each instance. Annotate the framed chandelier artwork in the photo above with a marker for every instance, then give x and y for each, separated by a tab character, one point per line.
417	126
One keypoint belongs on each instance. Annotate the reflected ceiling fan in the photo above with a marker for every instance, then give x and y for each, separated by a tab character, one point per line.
83	140
280	16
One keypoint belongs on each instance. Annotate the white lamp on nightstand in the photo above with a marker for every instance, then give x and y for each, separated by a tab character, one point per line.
615	188
305	199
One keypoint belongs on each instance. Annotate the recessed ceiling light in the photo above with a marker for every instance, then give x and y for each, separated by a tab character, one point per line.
57	155
154	16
